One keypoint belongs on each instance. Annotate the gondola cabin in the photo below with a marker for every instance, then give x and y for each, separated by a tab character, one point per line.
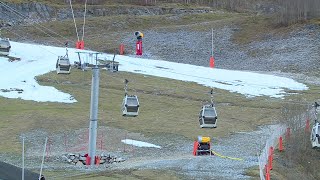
130	105
63	65
4	47
315	139
208	117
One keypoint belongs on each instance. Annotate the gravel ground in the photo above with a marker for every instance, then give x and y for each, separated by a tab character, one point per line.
245	145
175	154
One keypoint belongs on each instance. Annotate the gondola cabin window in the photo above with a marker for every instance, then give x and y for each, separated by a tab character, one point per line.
210	112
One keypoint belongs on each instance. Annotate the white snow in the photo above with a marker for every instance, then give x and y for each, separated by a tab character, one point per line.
35	60
39	59
247	83
139	143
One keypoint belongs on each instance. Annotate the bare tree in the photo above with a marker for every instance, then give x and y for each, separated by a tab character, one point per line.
293	11
290	11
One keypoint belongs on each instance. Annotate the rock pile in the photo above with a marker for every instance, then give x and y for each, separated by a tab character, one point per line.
81	159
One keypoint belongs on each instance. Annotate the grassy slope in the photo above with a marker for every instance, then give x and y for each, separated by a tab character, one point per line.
169	104
175	110
131	174
297	161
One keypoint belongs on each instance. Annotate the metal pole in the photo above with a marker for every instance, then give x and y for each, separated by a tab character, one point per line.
22	158
94	114
212	42
44	152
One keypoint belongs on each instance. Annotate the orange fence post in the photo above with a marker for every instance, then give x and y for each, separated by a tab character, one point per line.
268	176
266	167
280	144
211	62
270	151
267	173
82	45
78	45
97	160
88	159
270	159
121	49
195	148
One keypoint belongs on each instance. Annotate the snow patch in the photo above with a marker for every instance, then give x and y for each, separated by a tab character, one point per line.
17	79
139	143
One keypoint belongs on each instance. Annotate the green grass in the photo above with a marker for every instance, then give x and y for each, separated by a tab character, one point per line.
286	168
169	104
252	28
168	109
131	174
258	27
253	172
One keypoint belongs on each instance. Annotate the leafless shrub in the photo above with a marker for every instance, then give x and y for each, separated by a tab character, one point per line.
291	115
293	11
288	11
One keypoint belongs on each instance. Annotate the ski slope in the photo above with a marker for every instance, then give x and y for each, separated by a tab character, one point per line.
17	79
